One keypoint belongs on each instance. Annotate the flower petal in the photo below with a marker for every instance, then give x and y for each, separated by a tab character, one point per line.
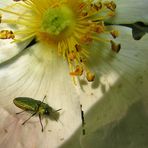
118	100
8	49
109	66
3	3
37	72
130	11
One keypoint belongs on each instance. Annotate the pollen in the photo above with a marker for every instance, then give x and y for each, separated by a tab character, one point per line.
70	25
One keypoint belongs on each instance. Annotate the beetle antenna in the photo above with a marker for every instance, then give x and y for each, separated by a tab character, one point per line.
44	98
55	118
57	110
42	101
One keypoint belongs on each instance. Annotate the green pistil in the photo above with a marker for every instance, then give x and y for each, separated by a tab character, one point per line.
56	20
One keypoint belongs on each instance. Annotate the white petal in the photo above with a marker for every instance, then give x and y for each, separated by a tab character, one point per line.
115	104
4	3
131	11
37	72
9	50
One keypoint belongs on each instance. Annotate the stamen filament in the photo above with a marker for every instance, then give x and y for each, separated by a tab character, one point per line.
16	22
8	11
23	39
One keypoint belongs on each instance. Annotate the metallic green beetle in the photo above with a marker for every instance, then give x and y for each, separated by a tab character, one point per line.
36	107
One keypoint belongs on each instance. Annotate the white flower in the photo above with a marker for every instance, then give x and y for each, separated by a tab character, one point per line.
120	78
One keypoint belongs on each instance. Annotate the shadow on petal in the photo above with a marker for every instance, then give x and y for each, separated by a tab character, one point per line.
119	119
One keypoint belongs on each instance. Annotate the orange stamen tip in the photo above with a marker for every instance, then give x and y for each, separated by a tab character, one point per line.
90	76
114	33
72	55
78	71
111	5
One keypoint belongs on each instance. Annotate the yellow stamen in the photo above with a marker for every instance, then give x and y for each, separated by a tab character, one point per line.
70	25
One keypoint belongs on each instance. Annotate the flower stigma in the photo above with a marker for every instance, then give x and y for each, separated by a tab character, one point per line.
70	25
56	20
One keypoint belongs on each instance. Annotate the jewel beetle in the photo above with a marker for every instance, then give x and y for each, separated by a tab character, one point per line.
36	107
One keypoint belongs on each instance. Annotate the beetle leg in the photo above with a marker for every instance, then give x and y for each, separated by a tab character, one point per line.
41	122
29	118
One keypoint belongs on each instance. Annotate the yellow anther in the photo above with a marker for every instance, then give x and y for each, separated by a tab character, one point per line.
90	76
115	47
114	33
72	55
6	34
78	71
97	7
111	5
78	48
86	39
97	28
81	5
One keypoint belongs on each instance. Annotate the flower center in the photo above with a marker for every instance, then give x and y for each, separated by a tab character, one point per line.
57	20
70	25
